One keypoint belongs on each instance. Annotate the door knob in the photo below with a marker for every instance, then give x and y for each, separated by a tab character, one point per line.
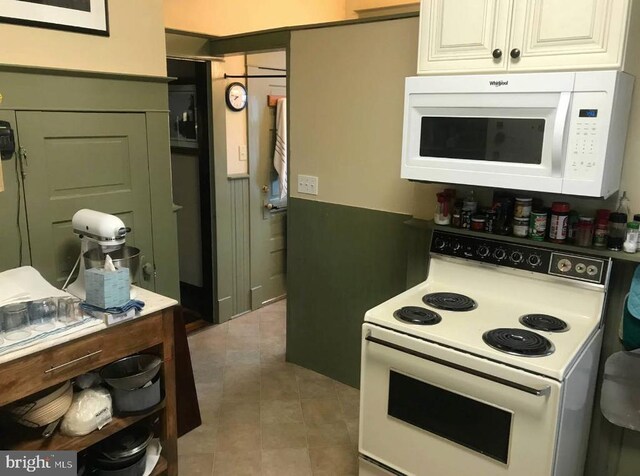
515	53
497	53
265	189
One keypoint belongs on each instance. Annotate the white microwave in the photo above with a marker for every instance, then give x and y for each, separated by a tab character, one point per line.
546	132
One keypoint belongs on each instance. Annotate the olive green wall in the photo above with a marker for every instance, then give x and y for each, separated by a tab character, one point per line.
341	261
59	90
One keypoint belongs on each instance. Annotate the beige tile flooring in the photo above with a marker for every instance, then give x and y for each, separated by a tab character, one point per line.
262	415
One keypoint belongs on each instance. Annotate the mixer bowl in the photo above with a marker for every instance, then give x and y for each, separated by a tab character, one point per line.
125	257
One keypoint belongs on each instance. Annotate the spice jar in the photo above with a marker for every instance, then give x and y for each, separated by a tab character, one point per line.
617	231
477	222
490	221
470	204
601	228
442	216
538	225
584	231
572	226
559	222
520	227
522	208
456	216
633	233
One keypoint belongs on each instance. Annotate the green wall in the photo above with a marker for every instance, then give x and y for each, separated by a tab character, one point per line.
341	261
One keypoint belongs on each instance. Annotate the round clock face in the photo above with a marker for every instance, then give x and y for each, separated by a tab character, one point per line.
236	96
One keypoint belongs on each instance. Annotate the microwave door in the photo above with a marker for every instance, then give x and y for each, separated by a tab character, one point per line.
499	140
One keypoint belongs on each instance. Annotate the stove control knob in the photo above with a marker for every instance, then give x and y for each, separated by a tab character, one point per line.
534	260
456	246
564	265
440	244
500	254
516	257
483	251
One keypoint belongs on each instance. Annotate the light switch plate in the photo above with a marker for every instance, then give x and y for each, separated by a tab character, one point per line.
242	153
308	184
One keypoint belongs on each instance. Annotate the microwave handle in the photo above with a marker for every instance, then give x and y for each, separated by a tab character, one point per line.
560	127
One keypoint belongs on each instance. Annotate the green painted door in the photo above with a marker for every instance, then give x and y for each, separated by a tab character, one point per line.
268	226
13	225
83	160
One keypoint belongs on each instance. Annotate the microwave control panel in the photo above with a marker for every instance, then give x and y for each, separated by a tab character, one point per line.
585	147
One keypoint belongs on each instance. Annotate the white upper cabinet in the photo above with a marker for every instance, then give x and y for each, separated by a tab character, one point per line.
463	35
469	36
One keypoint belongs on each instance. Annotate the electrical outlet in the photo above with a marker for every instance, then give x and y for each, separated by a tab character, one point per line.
242	153
308	184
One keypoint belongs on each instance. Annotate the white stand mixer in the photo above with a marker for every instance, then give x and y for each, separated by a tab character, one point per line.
96	230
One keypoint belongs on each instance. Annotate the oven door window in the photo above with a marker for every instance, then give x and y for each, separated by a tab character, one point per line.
476	425
495	139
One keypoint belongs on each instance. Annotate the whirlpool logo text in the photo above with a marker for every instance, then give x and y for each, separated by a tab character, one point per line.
498	83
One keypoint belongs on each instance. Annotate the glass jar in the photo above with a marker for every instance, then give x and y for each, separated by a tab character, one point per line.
520	227
442	216
584	231
558	225
43	313
470	204
617	231
15	321
601	228
478	222
456	216
522	208
631	241
490	222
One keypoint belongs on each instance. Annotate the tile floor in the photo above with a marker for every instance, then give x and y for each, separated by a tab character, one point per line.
262	415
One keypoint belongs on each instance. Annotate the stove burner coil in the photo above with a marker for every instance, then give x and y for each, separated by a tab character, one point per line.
544	322
417	315
518	342
450	301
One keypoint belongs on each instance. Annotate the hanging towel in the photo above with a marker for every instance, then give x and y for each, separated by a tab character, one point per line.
280	150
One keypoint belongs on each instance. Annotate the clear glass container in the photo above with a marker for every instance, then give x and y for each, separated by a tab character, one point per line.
584	232
43	314
15	321
69	310
631	240
442	215
617	231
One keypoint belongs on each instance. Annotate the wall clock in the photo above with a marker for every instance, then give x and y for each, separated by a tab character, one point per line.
236	96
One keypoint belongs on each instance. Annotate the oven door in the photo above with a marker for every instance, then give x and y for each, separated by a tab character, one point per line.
430	410
490	139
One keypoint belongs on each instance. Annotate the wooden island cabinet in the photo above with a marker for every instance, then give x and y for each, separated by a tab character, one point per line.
151	332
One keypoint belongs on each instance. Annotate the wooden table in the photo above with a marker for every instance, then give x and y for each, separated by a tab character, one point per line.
152	332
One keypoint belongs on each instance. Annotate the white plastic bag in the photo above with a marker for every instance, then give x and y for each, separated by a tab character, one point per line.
91	409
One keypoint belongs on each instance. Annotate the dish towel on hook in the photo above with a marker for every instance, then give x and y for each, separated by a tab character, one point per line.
280	150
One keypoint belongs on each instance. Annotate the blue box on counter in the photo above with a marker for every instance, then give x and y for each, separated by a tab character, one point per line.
107	289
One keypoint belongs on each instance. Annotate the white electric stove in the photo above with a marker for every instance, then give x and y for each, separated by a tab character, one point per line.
488	366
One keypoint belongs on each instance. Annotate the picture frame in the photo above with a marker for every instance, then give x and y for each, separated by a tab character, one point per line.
79	16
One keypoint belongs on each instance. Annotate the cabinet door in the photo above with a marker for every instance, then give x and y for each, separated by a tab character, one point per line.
460	36
568	34
83	160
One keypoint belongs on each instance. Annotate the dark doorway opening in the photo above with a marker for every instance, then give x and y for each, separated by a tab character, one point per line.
189	125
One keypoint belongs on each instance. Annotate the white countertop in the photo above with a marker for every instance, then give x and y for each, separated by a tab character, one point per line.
153	303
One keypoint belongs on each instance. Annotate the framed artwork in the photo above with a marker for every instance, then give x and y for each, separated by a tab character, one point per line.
82	16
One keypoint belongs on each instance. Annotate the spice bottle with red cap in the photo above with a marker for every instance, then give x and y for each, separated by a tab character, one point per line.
559	222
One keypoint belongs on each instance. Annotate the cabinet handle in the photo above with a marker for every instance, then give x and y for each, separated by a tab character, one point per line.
515	53
71	362
497	53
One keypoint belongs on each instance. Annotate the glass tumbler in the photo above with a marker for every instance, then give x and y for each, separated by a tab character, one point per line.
15	321
68	310
43	313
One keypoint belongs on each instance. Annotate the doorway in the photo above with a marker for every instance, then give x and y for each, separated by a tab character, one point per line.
267	147
189	125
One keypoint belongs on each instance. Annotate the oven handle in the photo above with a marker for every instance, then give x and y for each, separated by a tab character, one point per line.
533	391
